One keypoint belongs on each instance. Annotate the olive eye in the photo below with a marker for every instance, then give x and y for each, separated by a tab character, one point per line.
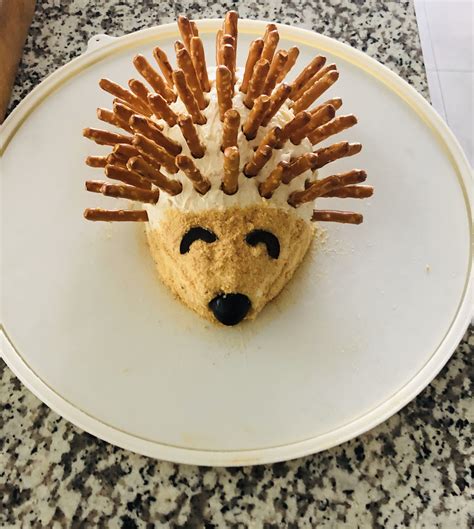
196	234
268	239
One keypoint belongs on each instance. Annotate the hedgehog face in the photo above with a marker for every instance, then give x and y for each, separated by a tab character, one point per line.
227	264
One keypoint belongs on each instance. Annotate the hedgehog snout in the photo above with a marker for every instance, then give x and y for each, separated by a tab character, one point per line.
230	309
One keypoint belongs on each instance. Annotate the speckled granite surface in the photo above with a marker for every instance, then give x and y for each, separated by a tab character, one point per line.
412	471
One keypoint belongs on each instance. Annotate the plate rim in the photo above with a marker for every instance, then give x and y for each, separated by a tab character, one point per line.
360	424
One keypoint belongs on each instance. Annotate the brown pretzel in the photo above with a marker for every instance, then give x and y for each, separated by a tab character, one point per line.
162	110
316	77
105	137
299	121
130	193
273	180
148	129
277	99
186	64
123	112
316	90
351	192
230	25
139	215
224	90
228	59
336	102
316	64
187	97
260	158
344	217
131	99
194	28
321	187
270	43
199	61
277	65
186	30
154	78
333	127
152	150
230	128
336	151
162	59
200	183
191	136
298	166
255	51
172	187
95	186
255	117
127	176
324	115
140	90
108	116
293	53
125	151
114	159
219	34
96	161
256	82
231	170
272	137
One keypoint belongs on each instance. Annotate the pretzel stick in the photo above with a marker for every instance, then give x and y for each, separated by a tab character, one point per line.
255	51
272	137
324	115
140	90
277	99
230	129
151	174
104	137
230	25
125	151
131	193
96	161
106	215
333	127
344	217
108	116
126	176
152	150
270	43
321	187
228	59
118	161
336	151
187	97
131	99
316	64
299	121
230	180
351	192
277	65
191	136
148	129
224	90
123	112
316	77
256	82
162	59
200	184
154	78
194	28
259	159
162	110
298	166
255	117
336	102
186	64
268	28
94	186
219	34
122	153
186	30
316	90
199	61
293	53
273	180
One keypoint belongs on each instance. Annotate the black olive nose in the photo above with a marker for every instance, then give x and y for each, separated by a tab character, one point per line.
230	309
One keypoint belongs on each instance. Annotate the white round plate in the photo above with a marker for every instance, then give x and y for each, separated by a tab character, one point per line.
368	321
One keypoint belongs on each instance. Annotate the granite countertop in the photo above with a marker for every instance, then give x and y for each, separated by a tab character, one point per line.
412	471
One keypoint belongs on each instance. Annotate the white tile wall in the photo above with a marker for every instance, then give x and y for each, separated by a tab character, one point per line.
447	39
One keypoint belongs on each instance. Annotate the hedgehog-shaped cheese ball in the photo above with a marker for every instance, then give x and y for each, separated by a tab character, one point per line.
224	165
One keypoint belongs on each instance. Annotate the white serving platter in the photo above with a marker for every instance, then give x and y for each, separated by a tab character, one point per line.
368	321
